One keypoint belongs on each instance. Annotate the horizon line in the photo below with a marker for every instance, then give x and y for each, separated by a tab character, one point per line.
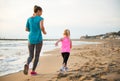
43	39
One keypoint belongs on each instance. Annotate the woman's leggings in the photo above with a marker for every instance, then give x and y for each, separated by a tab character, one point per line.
65	56
37	48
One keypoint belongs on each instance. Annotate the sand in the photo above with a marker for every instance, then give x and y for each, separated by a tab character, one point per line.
94	62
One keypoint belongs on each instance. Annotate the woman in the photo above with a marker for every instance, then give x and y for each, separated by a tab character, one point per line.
34	26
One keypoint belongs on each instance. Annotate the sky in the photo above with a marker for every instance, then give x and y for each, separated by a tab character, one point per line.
82	17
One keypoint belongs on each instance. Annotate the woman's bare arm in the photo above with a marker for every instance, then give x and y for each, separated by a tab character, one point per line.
42	27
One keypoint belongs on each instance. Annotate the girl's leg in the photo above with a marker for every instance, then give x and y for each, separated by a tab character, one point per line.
31	53
37	53
66	58
63	55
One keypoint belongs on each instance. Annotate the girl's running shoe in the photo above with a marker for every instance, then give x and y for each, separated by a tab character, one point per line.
66	68
62	69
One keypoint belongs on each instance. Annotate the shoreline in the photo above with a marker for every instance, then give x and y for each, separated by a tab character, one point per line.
21	46
43	39
49	68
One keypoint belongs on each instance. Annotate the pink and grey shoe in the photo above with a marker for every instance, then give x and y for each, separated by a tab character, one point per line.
33	73
26	68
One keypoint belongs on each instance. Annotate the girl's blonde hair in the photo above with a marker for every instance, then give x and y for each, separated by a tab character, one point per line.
66	32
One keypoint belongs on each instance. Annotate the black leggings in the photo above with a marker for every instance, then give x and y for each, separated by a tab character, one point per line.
31	48
65	56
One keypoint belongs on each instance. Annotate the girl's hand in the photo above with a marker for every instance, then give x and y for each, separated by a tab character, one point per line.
56	44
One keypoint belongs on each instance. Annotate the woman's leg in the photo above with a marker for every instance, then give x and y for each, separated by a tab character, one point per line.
31	53
37	53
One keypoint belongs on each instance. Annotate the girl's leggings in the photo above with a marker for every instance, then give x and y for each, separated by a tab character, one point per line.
37	48
65	56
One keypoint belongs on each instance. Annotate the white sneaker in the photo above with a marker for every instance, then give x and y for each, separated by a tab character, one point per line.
66	68
62	69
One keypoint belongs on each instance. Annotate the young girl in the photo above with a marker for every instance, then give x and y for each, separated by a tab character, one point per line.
65	48
34	26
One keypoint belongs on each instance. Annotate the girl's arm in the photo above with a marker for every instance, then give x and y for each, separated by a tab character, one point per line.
70	44
42	27
56	44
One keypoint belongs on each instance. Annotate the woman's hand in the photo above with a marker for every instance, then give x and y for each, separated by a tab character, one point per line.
44	32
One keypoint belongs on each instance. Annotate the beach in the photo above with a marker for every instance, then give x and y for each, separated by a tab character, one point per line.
91	62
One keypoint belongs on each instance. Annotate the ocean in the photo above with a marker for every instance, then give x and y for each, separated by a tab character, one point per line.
13	54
